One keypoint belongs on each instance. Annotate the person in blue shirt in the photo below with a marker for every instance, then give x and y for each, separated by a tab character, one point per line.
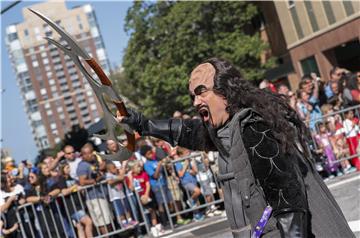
309	103
187	172
335	74
154	168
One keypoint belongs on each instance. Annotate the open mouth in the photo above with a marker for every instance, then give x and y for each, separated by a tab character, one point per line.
204	113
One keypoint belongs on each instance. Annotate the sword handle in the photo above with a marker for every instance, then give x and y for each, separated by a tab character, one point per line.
99	72
131	138
119	105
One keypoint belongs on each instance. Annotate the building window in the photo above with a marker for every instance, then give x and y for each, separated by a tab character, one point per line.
37	123
312	17
26	32
309	66
35	64
12	36
348	8
296	21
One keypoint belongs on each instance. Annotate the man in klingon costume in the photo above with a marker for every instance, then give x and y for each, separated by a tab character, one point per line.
271	188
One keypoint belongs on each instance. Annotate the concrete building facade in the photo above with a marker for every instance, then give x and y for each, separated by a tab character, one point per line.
317	35
55	94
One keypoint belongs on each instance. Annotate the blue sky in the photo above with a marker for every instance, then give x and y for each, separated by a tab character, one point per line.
15	130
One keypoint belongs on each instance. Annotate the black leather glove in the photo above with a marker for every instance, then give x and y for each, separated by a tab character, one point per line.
135	120
292	224
168	129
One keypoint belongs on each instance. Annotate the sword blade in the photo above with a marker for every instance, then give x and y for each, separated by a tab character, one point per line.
66	36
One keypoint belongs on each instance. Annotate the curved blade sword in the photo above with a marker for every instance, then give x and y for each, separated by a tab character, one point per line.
74	51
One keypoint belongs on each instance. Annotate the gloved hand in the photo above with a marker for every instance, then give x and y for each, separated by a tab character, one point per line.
168	129
135	119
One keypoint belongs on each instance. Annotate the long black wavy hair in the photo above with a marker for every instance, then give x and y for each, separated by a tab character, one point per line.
273	108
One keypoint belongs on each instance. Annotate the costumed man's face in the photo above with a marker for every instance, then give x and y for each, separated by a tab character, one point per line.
211	107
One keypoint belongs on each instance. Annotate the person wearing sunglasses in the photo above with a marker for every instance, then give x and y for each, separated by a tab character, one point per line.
271	187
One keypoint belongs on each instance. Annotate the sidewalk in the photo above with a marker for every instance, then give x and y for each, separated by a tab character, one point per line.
200	229
218	226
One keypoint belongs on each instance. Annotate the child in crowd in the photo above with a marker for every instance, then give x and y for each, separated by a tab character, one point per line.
173	185
207	185
331	120
341	151
187	171
351	131
323	140
139	181
115	177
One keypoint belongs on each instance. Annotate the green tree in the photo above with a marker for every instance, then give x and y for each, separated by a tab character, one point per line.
167	39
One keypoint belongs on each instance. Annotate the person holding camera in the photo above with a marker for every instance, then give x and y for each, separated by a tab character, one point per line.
308	106
89	173
335	75
187	170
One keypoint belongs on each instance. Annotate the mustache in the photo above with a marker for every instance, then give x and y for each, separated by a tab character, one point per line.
201	107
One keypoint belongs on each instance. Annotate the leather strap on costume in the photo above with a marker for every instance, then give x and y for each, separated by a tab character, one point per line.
225	177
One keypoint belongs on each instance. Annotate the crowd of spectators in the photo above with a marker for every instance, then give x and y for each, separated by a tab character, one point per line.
330	111
158	180
83	190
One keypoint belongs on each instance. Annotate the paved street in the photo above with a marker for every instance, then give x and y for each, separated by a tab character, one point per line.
346	190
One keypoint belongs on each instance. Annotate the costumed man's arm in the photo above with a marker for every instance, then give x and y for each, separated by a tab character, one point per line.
280	177
190	134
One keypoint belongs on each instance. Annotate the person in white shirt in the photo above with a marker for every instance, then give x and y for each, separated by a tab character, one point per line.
11	195
115	177
72	160
351	130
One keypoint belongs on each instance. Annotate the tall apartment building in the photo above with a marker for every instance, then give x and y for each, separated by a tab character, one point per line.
313	36
55	94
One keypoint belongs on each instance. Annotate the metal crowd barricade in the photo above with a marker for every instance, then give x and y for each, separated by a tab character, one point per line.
334	123
55	219
39	220
186	196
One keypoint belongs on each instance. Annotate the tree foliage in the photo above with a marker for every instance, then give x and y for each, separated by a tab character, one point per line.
168	39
